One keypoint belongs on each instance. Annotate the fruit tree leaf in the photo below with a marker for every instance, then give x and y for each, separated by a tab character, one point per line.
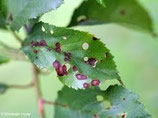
125	12
115	102
20	11
101	2
76	48
3	88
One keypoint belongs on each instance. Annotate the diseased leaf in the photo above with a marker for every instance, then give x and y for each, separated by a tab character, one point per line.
79	57
3	88
3	59
101	2
125	12
115	102
21	11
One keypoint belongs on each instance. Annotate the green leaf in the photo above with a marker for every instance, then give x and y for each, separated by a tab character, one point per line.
23	10
125	12
3	59
3	88
101	2
115	102
71	41
2	15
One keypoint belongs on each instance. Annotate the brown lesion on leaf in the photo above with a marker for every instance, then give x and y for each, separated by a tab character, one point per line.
123	12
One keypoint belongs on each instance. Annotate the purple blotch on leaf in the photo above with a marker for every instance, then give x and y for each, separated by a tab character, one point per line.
95	82
81	77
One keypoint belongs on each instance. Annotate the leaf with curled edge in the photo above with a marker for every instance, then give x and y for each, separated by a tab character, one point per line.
115	102
73	42
128	13
20	11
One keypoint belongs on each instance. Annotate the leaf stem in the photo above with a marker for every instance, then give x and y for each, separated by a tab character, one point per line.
38	90
31	84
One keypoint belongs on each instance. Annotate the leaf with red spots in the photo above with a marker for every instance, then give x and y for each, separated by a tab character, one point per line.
69	62
18	12
84	104
125	12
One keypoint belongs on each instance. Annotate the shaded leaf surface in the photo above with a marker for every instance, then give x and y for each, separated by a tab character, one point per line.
23	10
84	104
125	12
71	41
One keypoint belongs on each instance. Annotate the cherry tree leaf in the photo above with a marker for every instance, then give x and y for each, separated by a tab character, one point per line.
115	102
125	12
79	58
20	11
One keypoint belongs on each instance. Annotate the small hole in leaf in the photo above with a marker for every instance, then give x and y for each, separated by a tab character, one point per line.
106	55
85	58
99	98
85	46
64	37
68	66
43	29
81	18
51	31
107	104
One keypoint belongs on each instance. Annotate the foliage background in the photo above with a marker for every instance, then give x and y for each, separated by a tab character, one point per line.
136	55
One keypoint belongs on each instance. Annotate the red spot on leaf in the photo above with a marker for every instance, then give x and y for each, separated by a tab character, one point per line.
81	77
86	85
95	82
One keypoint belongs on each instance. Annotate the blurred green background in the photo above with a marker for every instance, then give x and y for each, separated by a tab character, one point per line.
136	57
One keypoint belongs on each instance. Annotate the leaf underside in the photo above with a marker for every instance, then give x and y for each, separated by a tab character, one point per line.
125	12
85	104
20	11
72	42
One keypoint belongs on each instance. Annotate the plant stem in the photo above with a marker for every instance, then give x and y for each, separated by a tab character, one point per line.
37	87
22	86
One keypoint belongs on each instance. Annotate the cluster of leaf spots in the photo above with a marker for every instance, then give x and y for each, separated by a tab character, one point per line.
18	12
84	104
125	12
56	47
